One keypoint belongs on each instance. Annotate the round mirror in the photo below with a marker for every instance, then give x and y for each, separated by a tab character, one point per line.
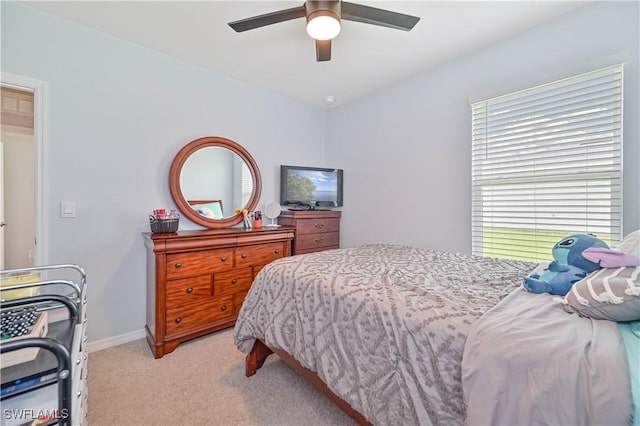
211	178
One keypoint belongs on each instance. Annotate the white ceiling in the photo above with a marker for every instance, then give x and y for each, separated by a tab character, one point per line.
281	57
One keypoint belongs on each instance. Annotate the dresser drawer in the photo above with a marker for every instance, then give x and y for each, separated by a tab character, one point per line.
318	225
198	262
183	319
231	282
257	269
238	300
188	290
312	241
258	254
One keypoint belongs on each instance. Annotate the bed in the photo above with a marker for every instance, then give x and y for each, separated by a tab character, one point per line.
381	329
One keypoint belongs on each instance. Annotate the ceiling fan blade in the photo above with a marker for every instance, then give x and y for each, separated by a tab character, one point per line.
268	19
375	16
323	50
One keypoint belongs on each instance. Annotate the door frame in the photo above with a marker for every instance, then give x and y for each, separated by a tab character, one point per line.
39	89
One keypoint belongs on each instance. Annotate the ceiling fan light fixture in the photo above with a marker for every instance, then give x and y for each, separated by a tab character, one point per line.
324	19
323	25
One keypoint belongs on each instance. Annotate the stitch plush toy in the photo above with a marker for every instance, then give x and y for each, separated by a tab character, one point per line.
569	265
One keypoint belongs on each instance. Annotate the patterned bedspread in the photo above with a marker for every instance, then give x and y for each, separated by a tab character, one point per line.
383	326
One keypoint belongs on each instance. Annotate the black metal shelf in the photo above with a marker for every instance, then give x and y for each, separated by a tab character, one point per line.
43	366
51	370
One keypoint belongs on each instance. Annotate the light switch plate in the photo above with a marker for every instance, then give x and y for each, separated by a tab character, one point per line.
68	209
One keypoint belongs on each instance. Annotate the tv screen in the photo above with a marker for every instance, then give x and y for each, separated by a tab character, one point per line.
310	187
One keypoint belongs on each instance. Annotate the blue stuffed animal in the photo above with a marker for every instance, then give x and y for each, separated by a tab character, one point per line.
569	265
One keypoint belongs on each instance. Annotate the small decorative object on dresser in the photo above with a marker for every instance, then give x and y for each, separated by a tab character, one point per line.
272	211
316	230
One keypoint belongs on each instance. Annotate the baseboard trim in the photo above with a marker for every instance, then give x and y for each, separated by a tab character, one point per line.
115	341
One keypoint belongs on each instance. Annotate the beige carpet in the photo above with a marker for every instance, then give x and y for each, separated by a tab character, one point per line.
201	383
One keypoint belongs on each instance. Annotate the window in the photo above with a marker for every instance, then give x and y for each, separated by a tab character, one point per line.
247	184
546	162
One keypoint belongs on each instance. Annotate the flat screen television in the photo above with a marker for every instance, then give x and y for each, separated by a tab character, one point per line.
305	188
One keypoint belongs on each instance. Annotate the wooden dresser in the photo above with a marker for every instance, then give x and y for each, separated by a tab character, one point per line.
316	230
197	280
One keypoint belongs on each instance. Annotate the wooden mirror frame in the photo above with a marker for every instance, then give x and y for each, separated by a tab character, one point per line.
181	201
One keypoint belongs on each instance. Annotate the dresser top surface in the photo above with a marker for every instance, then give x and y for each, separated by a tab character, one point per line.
213	233
311	214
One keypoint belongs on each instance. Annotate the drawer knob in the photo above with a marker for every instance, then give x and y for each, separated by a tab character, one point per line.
223	258
178	264
223	308
243	255
319	240
319	225
234	280
189	289
276	251
178	320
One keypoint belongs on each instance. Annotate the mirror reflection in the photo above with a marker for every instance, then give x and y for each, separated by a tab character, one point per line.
215	181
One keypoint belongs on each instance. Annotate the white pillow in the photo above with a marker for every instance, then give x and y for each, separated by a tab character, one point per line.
206	212
609	293
630	244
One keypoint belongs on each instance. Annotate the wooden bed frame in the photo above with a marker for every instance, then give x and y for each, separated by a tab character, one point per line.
261	351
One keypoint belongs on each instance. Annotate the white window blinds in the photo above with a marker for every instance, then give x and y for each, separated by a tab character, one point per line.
247	184
546	162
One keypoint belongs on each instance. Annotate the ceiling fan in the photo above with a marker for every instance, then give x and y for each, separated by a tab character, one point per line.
323	20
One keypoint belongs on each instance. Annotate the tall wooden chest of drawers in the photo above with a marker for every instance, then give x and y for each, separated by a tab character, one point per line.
316	230
197	280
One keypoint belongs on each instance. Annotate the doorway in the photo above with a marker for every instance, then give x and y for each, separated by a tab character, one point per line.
21	193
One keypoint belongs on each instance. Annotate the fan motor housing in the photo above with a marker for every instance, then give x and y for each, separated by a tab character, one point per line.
316	7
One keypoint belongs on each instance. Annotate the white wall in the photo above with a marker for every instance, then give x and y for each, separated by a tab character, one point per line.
406	149
118	113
